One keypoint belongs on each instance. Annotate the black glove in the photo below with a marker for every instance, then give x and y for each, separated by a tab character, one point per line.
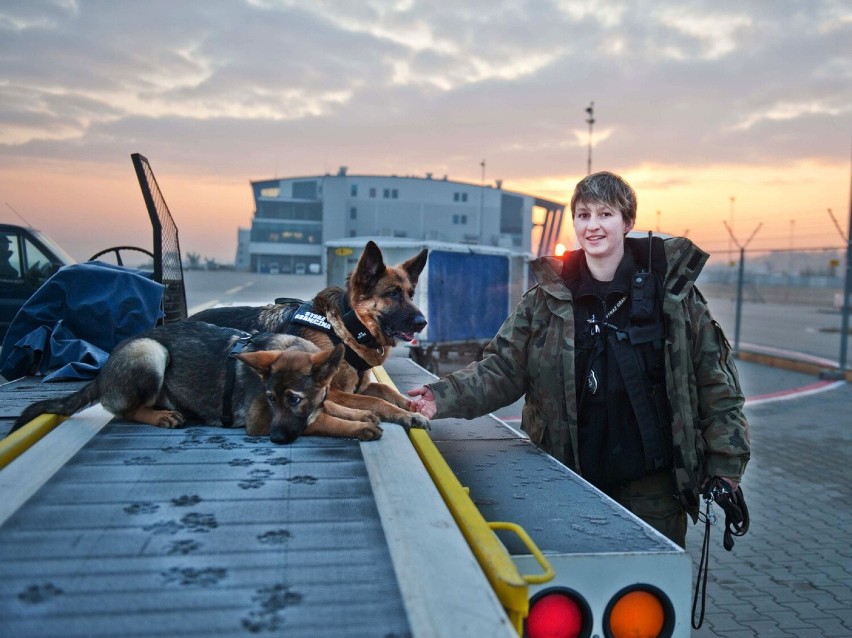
733	504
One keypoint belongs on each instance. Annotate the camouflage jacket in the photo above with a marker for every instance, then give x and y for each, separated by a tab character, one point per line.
532	355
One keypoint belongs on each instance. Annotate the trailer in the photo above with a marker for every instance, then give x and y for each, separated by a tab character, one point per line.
109	527
465	291
614	575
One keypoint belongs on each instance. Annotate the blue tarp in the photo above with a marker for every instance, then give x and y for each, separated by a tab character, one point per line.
468	295
67	329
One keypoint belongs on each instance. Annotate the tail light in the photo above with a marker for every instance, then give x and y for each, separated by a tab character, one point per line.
640	611
558	613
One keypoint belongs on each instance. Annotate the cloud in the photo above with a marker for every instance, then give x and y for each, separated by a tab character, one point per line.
259	87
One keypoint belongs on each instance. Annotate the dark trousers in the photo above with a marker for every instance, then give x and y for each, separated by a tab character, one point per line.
652	498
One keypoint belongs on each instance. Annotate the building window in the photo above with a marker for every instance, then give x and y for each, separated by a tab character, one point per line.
305	190
464	197
395	194
353	190
460	219
308	211
455	197
353	213
386	193
286	233
511	215
353	233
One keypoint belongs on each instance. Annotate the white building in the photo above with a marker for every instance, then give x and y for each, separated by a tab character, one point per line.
295	215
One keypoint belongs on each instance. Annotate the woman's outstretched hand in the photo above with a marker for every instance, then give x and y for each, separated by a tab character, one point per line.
424	403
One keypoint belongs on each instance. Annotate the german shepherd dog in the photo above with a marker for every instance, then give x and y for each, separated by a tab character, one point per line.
268	383
368	316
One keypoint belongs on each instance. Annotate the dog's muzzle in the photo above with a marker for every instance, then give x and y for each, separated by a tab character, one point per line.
286	433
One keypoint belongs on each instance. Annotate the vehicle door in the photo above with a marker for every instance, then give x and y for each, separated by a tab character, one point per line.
24	266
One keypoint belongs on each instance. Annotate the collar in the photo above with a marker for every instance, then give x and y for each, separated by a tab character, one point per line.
354	326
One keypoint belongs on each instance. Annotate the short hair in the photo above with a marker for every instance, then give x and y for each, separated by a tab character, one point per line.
606	188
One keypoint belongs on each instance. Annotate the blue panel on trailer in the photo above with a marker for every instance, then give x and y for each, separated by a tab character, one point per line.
468	295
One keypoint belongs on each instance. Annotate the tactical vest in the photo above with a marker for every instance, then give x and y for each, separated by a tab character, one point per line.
624	414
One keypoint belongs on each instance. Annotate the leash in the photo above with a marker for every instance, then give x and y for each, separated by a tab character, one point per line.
230	376
736	524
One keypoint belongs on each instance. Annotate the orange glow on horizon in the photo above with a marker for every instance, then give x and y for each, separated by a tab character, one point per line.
695	202
89	207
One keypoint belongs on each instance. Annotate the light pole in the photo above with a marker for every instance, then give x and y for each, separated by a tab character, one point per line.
590	110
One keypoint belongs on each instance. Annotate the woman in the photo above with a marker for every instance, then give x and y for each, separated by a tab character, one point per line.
627	378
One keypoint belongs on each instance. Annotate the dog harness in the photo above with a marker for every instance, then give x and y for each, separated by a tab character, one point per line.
230	376
305	315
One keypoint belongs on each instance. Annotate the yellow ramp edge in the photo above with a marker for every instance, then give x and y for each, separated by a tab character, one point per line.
498	566
19	441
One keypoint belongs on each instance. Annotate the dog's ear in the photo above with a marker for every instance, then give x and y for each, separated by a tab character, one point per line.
370	267
325	363
261	361
415	265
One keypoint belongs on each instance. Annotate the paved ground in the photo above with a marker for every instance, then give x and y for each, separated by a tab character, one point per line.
791	575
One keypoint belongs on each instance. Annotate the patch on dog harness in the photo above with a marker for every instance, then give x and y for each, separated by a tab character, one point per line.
306	316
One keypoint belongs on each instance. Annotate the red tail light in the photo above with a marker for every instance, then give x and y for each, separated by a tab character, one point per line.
558	613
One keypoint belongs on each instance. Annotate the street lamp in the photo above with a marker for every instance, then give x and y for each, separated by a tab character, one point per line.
590	110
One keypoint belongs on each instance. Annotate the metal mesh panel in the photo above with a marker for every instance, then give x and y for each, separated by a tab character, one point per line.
168	269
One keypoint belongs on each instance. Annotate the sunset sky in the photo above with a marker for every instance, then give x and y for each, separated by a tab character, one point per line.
695	103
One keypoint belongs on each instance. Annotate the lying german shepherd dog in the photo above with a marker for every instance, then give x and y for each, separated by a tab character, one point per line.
368	316
189	370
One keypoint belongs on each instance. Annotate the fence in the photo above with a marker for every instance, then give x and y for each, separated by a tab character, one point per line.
782	300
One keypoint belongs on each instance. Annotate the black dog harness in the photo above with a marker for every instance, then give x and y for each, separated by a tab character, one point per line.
305	315
230	376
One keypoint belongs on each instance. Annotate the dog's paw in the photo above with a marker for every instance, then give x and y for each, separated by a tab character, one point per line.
169	419
416	420
369	432
373	419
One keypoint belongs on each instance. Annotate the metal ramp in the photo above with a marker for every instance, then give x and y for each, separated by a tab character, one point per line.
201	531
113	528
